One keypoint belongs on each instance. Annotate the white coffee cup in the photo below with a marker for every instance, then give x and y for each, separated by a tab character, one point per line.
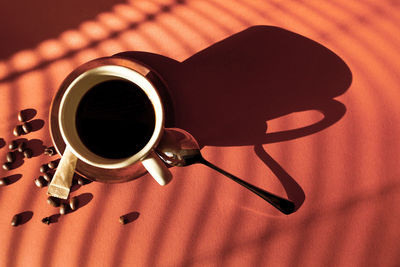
67	119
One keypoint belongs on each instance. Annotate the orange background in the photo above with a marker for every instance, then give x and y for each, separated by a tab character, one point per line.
342	175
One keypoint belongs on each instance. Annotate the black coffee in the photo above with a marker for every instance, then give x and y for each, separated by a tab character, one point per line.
115	119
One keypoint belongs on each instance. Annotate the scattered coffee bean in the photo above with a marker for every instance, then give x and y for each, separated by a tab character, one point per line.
47	177
122	220
46	220
3	181
26	127
7	166
43	168
13	145
53	201
73	203
52	164
63	208
15	220
21	116
81	181
21	147
40	182
50	151
28	153
18	130
10	157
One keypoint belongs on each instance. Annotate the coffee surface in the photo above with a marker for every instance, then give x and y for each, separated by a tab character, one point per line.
115	119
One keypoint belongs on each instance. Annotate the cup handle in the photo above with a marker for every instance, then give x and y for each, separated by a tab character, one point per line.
156	167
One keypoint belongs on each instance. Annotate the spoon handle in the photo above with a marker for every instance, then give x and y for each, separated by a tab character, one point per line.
284	205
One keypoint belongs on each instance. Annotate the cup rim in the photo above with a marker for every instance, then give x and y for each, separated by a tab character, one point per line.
107	70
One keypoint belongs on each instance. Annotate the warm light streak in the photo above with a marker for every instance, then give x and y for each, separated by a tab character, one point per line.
24	60
111	47
4	69
113	22
146	7
93	30
129	13
74	39
86	55
51	49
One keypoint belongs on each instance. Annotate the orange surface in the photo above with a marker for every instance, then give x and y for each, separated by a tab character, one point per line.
323	135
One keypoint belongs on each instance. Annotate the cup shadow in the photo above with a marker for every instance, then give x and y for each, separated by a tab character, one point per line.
225	94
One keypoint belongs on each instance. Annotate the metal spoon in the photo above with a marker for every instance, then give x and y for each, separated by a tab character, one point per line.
179	148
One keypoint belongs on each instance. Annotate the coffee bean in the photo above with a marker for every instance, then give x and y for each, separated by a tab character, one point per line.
21	116
28	153
15	220
3	181
43	168
50	151
21	147
7	166
122	220
73	203
13	145
48	177
46	220
53	201
10	157
18	130
52	164
26	127
63	208
82	181
40	182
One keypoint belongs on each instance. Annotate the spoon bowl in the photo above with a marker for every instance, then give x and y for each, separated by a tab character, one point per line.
179	148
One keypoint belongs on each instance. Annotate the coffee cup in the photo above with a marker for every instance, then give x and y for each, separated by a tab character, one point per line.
112	116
